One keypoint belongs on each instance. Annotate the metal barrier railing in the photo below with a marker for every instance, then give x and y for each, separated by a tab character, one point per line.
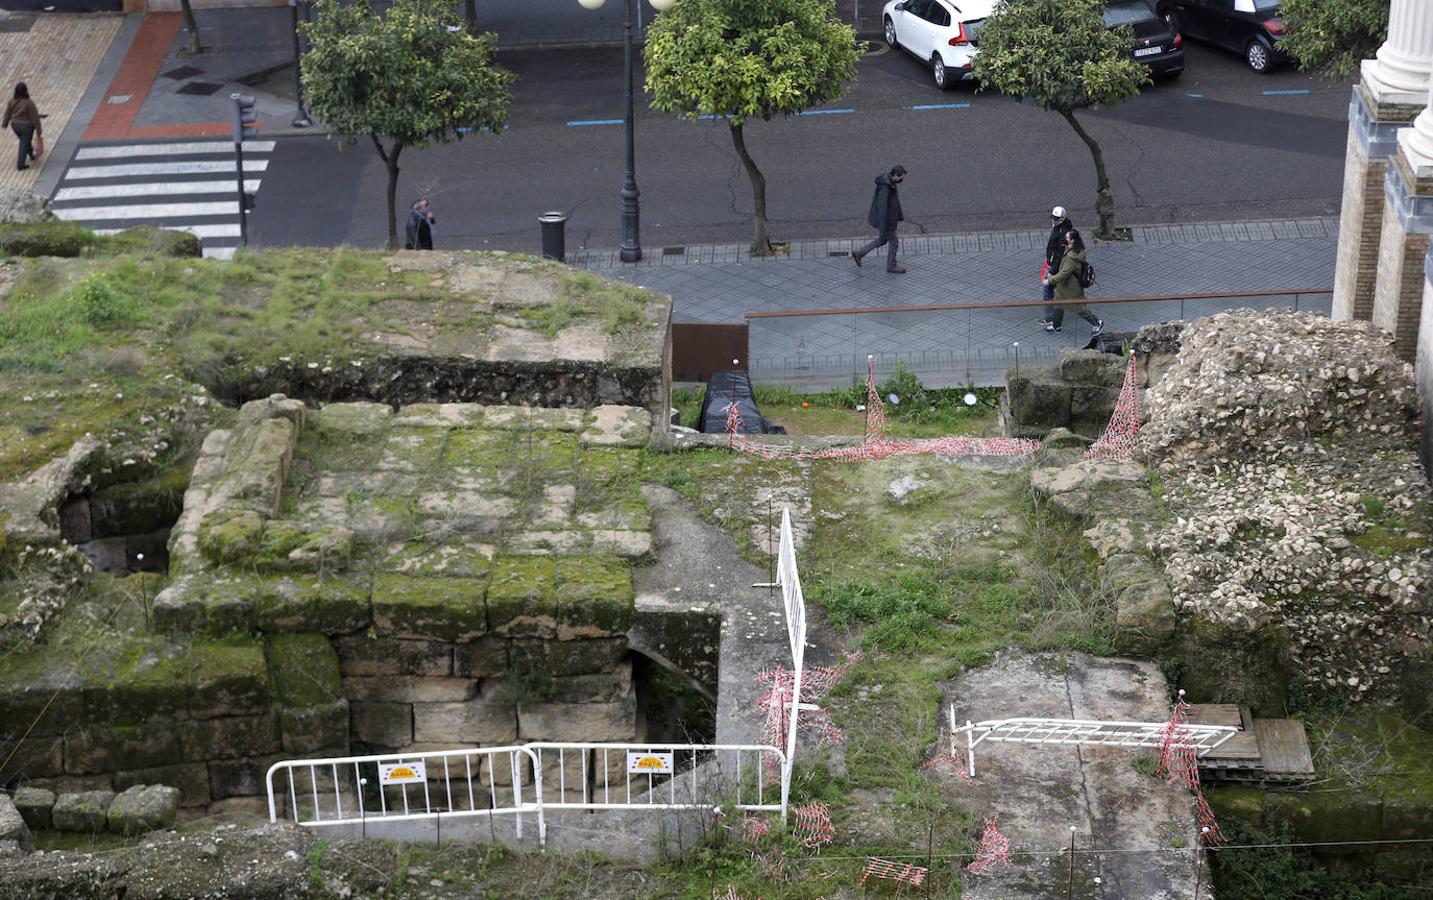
513	781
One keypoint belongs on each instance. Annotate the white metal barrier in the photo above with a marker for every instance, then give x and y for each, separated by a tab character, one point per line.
794	601
1080	732
533	778
357	790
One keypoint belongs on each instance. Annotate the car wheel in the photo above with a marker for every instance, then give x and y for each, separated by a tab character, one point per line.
890	32
1258	57
940	73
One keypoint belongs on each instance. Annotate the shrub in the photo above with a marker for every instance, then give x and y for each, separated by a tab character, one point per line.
46	239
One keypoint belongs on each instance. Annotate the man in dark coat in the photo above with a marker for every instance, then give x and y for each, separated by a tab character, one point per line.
420	227
1060	226
884	216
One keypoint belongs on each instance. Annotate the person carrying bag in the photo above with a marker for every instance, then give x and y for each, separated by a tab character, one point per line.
23	117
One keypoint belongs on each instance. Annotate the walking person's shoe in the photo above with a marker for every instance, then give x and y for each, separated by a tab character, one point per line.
1052	328
1045	321
1097	328
898	270
857	257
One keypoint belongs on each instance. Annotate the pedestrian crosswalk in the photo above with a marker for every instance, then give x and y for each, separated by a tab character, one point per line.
182	185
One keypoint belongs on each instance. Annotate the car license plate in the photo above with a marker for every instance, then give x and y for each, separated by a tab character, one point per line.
1148	51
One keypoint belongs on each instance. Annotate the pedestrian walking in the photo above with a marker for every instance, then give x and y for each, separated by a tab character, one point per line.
23	116
1054	249
885	215
1069	285
420	226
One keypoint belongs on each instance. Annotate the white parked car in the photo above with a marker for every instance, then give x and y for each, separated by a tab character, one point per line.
939	32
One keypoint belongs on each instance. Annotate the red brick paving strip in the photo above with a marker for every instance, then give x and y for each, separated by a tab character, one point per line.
135	77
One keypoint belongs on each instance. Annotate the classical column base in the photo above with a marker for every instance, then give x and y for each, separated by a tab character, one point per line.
1372	138
1403	246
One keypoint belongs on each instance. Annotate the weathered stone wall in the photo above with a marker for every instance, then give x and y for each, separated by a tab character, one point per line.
1079	394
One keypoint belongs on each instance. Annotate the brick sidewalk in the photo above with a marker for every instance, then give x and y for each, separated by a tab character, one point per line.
56	55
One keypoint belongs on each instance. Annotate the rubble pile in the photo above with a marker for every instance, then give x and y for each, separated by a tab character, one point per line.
1286	444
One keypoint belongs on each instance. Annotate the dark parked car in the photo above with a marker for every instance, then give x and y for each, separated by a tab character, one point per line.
1250	27
1156	43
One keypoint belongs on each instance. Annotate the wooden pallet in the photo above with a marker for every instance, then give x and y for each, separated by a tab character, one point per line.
1264	750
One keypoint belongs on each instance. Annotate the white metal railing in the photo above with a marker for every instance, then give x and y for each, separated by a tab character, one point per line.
357	790
795	603
533	778
1080	732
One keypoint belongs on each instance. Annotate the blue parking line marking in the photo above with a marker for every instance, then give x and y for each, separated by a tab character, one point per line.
576	123
468	129
1195	96
1272	93
940	106
824	112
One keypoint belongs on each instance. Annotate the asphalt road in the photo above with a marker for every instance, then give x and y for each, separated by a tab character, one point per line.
1219	144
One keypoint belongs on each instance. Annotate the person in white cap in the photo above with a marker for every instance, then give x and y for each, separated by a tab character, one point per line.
1054	251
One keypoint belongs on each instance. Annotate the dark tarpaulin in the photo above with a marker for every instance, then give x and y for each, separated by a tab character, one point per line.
724	389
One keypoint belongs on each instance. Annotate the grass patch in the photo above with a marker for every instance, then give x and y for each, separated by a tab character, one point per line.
580	294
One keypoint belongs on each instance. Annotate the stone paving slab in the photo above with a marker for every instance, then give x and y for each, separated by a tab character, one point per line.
57	56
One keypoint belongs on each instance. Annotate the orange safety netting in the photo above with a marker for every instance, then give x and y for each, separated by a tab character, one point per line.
755	827
955	761
893	871
813	828
1118	439
775	707
876	445
1179	764
994	848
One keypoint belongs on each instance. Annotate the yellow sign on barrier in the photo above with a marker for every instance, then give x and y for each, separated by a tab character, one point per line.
402	773
649	763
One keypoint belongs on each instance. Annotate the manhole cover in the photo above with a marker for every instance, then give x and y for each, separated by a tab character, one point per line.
200	88
16	24
183	72
673	251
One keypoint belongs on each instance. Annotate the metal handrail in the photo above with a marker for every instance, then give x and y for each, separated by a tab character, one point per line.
1015	304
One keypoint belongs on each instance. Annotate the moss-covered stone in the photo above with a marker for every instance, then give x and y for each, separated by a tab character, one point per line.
1244	803
94	750
46	239
315	729
303	670
595	598
330	605
522	597
562	658
361	655
145	240
289	546
86	811
456	557
444	609
229	736
360	420
230	679
258	463
143	808
146	682
191	779
231	535
484	451
487	657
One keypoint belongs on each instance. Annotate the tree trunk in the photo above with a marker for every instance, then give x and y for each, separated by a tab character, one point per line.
470	16
1104	198
390	160
192	47
762	245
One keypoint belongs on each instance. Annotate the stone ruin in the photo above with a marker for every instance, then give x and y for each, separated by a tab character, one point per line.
362	571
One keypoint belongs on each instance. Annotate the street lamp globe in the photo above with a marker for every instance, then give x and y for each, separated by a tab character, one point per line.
591	4
661	5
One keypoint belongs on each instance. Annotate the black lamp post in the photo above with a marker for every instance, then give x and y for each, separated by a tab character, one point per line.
631	208
301	119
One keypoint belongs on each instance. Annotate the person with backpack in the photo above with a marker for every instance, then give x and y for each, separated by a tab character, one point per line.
1054	249
884	216
1069	283
420	226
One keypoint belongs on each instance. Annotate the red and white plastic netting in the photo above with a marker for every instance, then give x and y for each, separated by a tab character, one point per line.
956	762
993	848
903	873
774	706
1179	764
812	828
876	445
1118	439
755	827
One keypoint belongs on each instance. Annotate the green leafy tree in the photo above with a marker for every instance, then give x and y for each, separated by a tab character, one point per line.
749	59
1060	54
1331	36
404	79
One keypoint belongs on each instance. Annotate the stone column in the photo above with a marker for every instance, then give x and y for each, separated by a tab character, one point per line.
1392	91
1423	367
1407	224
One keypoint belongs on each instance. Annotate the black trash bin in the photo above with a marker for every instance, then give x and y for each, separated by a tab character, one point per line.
554	235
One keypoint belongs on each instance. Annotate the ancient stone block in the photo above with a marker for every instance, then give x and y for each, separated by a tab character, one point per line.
230	679
567	657
353	420
13	826
310	729
522	598
1093	405
595	598
599	687
291	546
230	535
487	657
304	670
479	721
381	724
85	811
440	415
412	688
328	605
1092	367
204	739
143	684
143	808
111	749
566	776
35	806
445	609
37	757
456	558
360	655
615	721
1037	397
190	779
241	777
624	426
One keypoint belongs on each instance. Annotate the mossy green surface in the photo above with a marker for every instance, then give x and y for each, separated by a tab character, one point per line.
445	609
231	535
328	604
595	597
303	669
522	597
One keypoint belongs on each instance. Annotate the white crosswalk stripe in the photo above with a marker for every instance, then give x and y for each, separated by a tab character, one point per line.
187	186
